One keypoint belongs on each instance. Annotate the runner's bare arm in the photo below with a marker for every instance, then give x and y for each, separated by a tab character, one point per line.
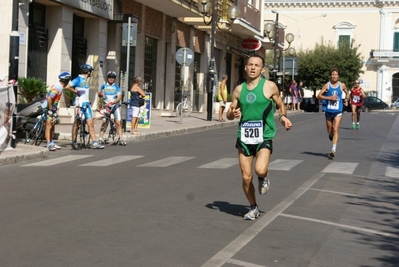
272	89
234	109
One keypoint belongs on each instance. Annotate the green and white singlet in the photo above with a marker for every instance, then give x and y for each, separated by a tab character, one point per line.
257	115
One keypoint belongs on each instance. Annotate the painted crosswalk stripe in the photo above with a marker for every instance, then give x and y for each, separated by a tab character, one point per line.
392	172
111	161
220	164
55	161
340	167
166	162
283	164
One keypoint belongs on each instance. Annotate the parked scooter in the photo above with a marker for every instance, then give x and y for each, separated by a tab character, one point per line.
27	114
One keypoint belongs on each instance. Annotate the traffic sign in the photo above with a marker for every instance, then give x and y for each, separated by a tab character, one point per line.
184	56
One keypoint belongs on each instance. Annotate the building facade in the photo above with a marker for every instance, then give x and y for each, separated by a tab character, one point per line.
59	35
374	25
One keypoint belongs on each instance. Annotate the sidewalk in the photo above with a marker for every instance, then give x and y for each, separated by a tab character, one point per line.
159	127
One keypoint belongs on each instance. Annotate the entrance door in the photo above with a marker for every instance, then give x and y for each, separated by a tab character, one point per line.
38	40
79	45
150	67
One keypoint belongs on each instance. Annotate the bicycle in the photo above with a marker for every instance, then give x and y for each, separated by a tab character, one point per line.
37	134
112	137
186	106
80	133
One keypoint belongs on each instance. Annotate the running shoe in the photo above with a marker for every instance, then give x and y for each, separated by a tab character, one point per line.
252	214
75	146
357	126
56	146
332	154
263	185
51	147
96	145
353	126
101	141
122	143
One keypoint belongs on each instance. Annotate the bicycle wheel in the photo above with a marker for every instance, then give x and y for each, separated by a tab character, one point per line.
76	133
80	134
112	137
40	134
187	109
84	135
32	135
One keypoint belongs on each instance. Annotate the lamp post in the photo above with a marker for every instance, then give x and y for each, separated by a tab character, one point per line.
272	33
298	44
204	8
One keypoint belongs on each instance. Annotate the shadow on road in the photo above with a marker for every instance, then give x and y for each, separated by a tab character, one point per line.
232	209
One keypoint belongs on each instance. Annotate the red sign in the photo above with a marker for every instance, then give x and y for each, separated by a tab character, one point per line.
251	44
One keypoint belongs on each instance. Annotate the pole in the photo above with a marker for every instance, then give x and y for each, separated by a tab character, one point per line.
212	65
129	25
275	49
13	62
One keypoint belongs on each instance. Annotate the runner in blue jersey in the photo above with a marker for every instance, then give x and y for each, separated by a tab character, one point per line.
80	86
333	93
112	95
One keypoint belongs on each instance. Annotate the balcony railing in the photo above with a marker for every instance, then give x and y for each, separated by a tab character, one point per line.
249	14
384	53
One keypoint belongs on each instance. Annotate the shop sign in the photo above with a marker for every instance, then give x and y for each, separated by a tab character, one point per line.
101	8
251	44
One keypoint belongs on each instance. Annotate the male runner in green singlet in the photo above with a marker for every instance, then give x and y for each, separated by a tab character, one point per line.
253	103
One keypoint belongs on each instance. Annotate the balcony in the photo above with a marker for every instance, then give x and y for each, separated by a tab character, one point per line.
383	57
248	24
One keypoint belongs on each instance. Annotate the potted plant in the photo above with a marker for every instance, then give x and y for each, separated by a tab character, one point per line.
31	88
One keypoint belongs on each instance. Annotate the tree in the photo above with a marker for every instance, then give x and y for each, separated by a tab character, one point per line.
314	65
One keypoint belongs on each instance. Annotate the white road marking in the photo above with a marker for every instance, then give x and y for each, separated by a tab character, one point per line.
111	161
341	167
392	172
227	253
334	192
283	164
166	162
55	161
340	225
243	263
221	163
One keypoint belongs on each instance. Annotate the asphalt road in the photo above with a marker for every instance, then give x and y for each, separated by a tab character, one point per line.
177	201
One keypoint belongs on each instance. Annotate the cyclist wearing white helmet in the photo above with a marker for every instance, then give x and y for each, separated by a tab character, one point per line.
80	86
51	104
112	95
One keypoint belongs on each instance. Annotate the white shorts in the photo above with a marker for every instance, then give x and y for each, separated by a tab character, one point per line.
135	112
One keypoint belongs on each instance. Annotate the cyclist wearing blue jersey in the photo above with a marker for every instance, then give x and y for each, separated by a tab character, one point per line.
80	86
111	93
332	95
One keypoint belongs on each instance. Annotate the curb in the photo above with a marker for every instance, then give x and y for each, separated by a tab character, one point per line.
22	152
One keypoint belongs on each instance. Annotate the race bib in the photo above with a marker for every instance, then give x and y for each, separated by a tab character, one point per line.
356	99
252	132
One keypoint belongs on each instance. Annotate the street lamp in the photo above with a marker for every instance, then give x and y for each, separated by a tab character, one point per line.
298	44
272	33
204	8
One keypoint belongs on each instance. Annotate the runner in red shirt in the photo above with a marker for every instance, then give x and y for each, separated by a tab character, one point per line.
357	95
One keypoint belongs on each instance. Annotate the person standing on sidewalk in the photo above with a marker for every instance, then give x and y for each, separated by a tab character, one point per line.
294	94
112	95
80	86
135	94
222	96
333	93
51	104
300	94
357	95
253	103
